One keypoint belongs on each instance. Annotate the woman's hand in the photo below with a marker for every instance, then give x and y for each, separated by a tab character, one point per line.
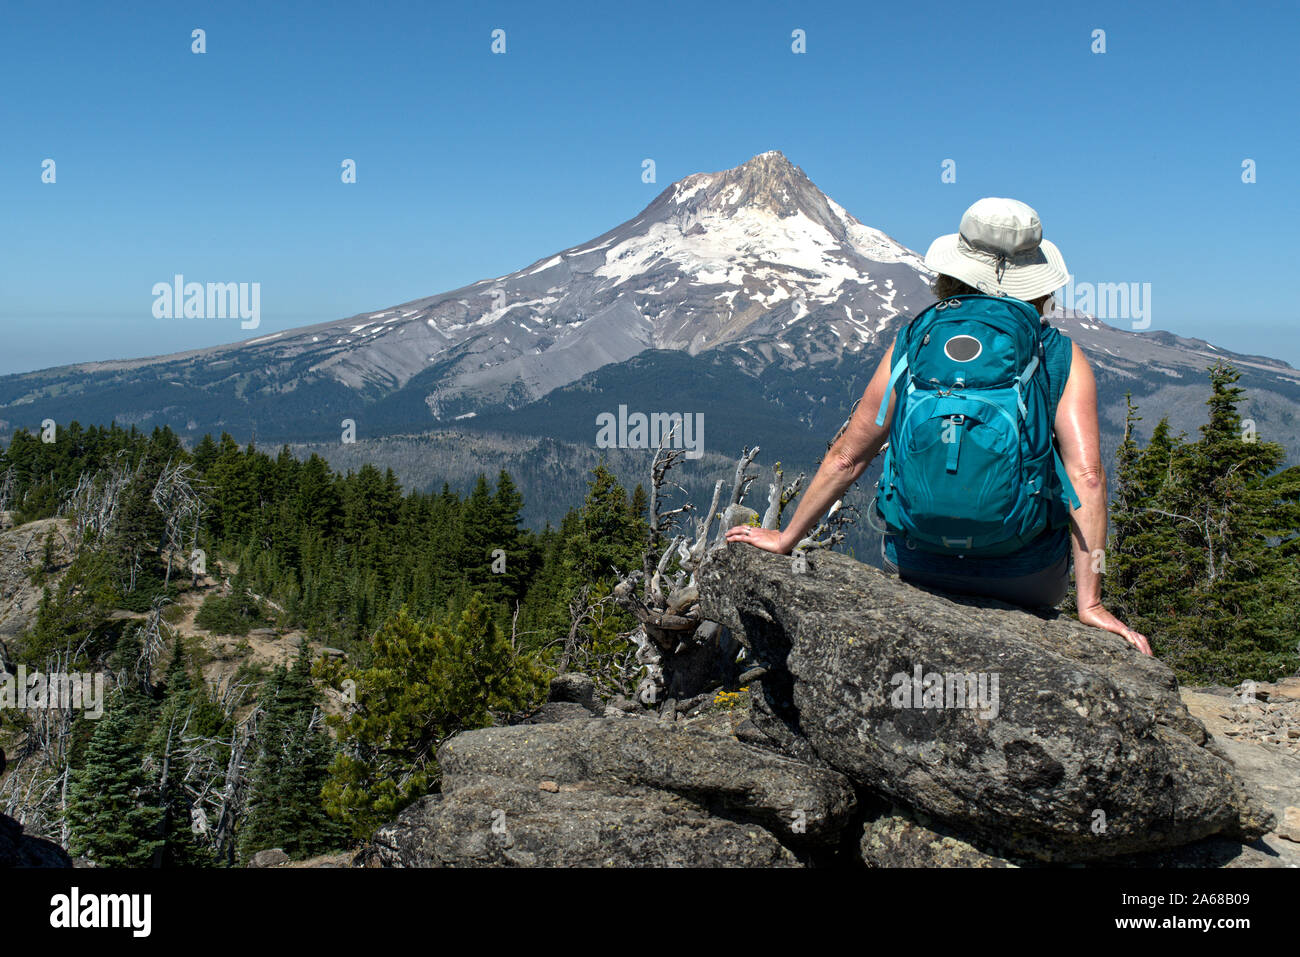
1096	614
768	539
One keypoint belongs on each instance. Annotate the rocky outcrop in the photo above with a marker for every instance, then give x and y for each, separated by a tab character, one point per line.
1046	739
1265	712
899	838
1059	744
23	850
21	549
618	791
272	857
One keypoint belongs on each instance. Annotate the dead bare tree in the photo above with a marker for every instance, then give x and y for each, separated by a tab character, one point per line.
24	551
155	635
229	693
660	522
682	655
215	776
92	505
580	611
6	489
175	495
35	790
614	668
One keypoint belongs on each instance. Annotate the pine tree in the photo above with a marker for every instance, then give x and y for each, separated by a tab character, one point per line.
610	538
507	514
293	760
480	536
187	709
426	680
135	539
111	812
640	504
606	539
1144	568
1206	541
204	454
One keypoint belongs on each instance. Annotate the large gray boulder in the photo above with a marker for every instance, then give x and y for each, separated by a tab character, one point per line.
1085	751
505	823
575	688
897	837
24	850
616	792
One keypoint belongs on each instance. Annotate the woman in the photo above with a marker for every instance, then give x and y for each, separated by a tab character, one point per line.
998	250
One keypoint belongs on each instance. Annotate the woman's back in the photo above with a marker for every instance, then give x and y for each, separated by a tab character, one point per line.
1050	547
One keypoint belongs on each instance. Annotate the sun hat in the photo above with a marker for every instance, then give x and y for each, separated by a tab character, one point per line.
1000	250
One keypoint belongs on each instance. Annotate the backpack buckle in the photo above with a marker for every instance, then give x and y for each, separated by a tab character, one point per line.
954	444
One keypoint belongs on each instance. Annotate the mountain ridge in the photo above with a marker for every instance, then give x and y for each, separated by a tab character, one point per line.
752	269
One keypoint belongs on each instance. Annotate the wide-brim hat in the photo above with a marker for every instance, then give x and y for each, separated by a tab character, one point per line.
1000	250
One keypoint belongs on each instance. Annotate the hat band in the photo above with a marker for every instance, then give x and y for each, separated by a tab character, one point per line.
999	260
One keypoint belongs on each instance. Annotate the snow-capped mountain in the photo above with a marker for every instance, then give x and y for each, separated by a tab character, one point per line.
751	276
754	256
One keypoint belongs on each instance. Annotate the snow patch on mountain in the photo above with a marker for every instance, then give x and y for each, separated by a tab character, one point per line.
751	242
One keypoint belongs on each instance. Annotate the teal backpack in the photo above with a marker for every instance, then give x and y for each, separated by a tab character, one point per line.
971	467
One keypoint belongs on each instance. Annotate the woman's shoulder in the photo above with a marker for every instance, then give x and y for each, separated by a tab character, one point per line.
1058	349
1058	346
1054	337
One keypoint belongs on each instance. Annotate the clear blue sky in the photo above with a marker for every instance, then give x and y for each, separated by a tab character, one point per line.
225	166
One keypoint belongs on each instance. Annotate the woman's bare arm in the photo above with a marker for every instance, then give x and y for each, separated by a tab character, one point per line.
1078	438
843	465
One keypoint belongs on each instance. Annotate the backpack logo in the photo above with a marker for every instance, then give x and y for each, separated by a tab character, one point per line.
963	348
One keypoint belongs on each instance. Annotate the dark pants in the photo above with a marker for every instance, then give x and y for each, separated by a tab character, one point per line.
1043	589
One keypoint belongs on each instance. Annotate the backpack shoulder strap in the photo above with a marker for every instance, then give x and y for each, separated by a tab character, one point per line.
901	342
1067	487
900	366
